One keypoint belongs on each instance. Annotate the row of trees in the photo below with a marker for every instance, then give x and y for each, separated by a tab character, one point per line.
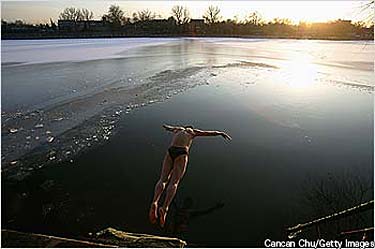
74	14
180	14
115	22
116	15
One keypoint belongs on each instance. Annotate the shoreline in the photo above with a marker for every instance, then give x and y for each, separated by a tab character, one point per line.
109	36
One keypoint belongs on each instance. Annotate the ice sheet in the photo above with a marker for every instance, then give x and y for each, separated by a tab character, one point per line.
58	50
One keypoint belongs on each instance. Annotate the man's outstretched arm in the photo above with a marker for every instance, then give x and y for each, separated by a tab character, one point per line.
172	128
200	133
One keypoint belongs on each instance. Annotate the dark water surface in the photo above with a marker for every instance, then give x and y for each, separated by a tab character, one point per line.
287	127
258	176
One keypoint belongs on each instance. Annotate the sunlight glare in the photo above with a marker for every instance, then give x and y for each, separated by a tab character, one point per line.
302	72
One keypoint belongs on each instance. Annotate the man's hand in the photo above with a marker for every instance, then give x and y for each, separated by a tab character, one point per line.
225	136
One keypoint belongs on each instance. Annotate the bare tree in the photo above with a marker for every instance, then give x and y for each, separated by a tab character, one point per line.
143	16
254	18
52	24
336	192
212	15
19	22
180	14
71	14
115	16
87	15
135	17
368	9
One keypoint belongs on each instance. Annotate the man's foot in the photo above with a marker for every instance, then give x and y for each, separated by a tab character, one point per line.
153	214
163	215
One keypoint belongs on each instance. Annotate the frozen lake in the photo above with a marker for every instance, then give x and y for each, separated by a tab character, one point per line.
92	109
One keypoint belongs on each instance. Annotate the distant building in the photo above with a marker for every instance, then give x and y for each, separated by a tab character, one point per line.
66	25
195	26
161	23
154	26
96	25
77	26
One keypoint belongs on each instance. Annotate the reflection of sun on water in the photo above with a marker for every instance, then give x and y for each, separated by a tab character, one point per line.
301	72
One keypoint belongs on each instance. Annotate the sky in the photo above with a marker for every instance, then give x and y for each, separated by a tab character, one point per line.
309	11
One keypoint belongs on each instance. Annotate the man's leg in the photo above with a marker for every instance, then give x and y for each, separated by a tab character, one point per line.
178	172
159	187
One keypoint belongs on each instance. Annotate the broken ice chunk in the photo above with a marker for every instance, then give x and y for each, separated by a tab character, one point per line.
308	139
50	139
13	130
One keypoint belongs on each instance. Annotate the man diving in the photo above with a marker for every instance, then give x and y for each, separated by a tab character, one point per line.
174	166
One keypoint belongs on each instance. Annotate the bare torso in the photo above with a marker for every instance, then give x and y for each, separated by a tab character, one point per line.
183	138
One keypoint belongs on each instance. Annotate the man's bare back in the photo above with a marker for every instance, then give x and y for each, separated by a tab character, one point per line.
174	166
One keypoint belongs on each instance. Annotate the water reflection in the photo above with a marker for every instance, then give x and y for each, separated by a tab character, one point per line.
301	72
182	213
